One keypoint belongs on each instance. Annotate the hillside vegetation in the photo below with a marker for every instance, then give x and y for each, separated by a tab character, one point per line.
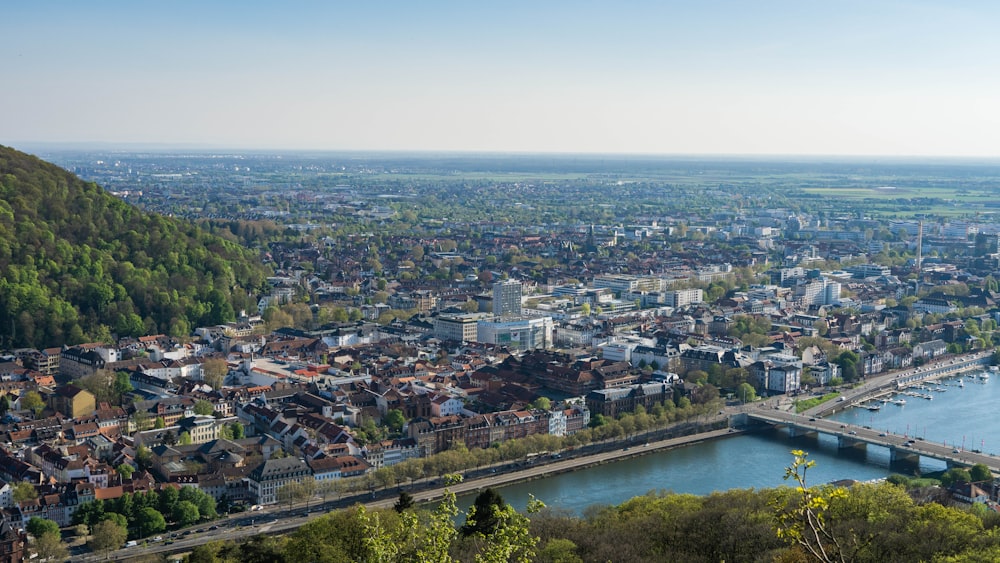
866	523
77	264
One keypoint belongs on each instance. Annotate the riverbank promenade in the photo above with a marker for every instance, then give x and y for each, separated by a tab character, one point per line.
894	381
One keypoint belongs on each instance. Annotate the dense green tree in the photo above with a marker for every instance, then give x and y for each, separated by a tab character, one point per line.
185	513
89	513
337	537
40	526
543	403
206	505
955	475
149	521
847	361
394	420
597	421
125	470
118	519
167	500
979	473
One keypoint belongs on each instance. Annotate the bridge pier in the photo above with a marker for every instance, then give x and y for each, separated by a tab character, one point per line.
899	455
796	432
848	442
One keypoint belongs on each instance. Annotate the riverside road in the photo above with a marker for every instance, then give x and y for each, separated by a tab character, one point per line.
277	520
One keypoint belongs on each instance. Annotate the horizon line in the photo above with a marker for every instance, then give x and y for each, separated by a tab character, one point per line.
204	147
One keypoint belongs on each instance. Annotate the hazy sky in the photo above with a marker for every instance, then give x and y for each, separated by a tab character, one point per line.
741	77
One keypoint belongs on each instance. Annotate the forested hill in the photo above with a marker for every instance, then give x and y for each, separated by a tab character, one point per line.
78	264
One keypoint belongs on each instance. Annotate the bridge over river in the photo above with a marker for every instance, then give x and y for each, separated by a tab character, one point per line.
901	448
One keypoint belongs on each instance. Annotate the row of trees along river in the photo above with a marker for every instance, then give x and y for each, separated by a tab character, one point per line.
958	415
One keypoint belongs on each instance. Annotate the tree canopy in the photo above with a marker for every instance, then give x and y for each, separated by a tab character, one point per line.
78	264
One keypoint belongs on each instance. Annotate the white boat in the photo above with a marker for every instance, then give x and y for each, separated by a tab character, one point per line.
961	383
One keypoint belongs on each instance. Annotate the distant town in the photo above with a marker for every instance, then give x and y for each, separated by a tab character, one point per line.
418	307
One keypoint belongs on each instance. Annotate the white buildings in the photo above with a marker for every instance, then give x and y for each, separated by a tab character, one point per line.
265	480
523	334
618	351
458	328
446	405
869	270
777	373
681	297
817	291
959	230
626	283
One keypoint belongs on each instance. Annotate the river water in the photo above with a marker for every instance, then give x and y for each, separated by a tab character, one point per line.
956	416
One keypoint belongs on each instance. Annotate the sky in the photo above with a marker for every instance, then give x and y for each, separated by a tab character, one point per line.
906	78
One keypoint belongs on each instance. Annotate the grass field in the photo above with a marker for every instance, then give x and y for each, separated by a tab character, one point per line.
802	406
911	201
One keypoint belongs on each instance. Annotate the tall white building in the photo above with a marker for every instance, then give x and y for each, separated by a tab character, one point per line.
507	298
811	292
832	293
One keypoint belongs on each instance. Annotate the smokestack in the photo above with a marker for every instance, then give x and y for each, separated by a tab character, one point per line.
920	242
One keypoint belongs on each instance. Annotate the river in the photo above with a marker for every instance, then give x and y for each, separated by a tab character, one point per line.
956	416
